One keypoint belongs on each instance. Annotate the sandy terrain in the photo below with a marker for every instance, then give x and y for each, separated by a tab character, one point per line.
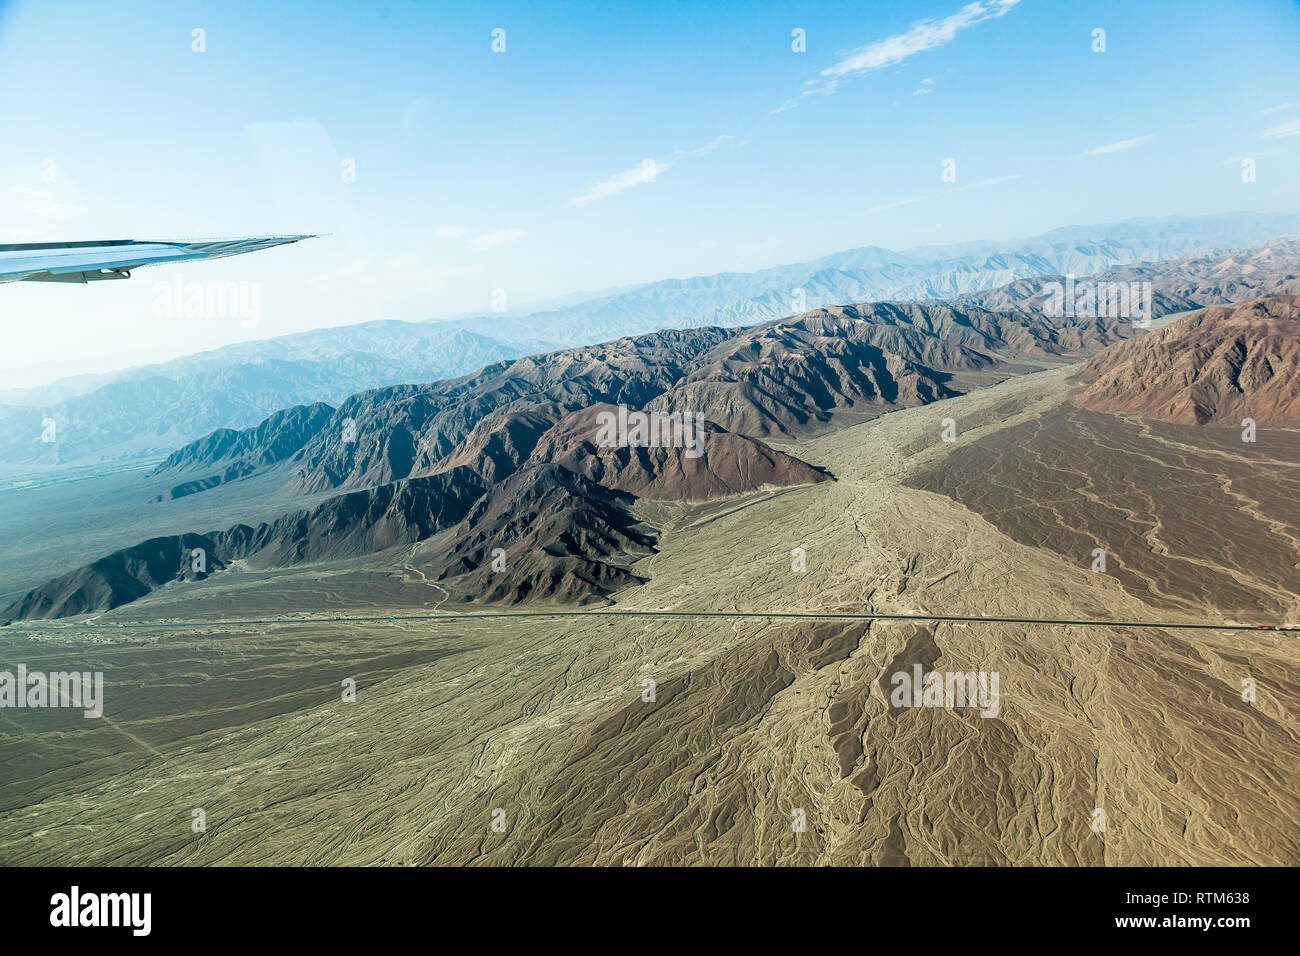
751	721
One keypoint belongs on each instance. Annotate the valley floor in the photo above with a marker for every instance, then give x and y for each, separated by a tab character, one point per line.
548	727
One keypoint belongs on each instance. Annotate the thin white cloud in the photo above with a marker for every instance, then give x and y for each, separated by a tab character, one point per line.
644	172
956	189
449	232
927	34
986	182
921	91
647	171
1278	108
490	240
714	143
1291	128
901	202
1116	147
820	87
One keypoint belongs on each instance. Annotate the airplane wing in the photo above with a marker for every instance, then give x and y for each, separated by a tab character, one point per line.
114	258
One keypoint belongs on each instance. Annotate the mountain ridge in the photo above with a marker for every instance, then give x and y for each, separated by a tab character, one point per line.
238	385
1219	365
511	460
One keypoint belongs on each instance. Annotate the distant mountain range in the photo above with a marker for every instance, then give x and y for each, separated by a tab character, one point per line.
151	410
511	457
1177	285
871	274
154	409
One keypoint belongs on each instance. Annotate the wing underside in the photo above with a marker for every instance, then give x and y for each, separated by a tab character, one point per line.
115	258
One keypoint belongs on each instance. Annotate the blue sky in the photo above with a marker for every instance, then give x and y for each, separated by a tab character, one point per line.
522	170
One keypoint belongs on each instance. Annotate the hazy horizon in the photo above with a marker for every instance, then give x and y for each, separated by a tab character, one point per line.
33	377
603	146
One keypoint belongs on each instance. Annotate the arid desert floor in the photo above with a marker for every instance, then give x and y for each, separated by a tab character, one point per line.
655	740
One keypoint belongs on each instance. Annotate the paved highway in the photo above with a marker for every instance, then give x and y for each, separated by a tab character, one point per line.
616	612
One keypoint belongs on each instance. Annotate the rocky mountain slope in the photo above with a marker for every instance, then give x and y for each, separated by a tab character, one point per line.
231	454
771	379
344	526
1218	365
511	460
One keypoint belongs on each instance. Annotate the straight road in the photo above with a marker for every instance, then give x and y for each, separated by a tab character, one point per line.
614	612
